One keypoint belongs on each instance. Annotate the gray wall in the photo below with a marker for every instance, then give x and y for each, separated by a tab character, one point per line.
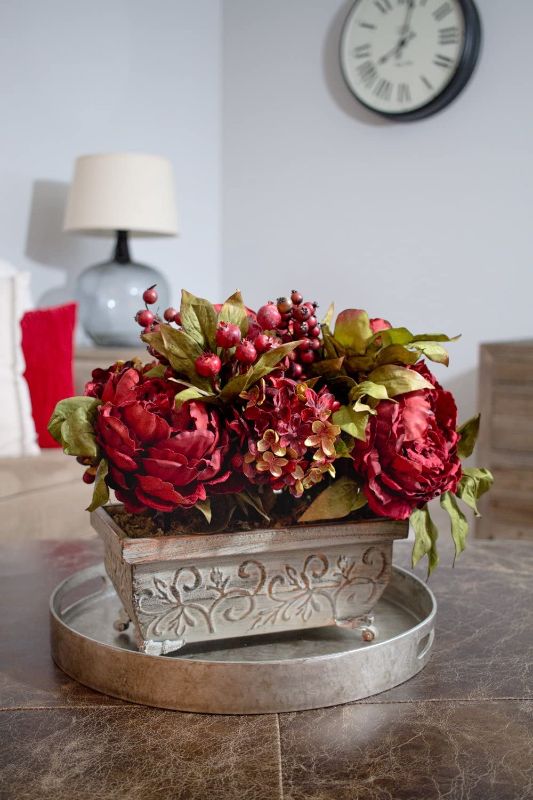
282	178
427	224
103	76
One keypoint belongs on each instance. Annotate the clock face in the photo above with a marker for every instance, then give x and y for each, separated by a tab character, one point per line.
400	55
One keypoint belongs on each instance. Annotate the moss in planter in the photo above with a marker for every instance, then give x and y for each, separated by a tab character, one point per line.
227	515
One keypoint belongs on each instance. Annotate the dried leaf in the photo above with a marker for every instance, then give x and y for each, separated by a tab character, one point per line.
352	422
100	490
396	354
469	432
72	425
329	368
459	523
205	507
328	316
235	311
434	351
426	535
398	380
192	393
198	319
340	498
474	483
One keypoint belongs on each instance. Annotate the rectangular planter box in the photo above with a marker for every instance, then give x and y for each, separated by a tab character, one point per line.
198	588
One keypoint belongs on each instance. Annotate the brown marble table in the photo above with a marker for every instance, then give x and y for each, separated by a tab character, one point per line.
463	728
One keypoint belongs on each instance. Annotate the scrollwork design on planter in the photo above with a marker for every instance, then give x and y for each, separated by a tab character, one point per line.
180	614
318	588
219	584
300	594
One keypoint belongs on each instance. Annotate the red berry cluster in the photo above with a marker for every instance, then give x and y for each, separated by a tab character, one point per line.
147	319
291	319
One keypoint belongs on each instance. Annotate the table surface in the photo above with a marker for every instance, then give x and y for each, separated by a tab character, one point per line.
462	728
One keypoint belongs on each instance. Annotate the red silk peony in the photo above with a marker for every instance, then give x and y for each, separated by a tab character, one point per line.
158	457
410	455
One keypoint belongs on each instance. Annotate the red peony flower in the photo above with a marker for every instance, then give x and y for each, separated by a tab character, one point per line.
410	455
158	457
291	442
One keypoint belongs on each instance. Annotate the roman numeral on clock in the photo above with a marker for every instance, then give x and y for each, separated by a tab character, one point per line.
443	61
449	35
383	5
442	11
404	93
361	51
383	89
368	73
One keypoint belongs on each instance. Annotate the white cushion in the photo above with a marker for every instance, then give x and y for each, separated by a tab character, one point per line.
17	431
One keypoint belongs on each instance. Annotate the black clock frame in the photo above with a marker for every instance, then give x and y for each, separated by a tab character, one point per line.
458	81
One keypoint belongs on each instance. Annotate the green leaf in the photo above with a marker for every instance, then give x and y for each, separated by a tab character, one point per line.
435	337
396	354
360	363
352	330
337	501
459	524
328	316
262	367
329	368
254	502
370	389
100	490
344	446
392	336
398	380
474	483
192	393
352	422
156	372
234	311
332	348
426	535
205	507
367	389
434	351
468	431
234	387
181	350
72	425
198	319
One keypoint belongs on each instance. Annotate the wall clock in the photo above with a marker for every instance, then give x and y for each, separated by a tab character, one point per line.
407	59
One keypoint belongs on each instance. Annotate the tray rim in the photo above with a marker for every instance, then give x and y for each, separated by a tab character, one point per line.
98	570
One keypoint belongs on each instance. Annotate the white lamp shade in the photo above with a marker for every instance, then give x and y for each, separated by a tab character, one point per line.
122	191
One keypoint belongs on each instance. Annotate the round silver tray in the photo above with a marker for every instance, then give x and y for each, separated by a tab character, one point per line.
285	672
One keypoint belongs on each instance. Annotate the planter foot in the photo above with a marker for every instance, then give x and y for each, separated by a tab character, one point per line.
363	625
153	648
122	622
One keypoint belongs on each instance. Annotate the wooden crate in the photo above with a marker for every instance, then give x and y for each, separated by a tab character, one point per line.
506	439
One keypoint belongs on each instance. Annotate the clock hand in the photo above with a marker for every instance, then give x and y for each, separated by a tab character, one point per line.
397	49
407	34
409	14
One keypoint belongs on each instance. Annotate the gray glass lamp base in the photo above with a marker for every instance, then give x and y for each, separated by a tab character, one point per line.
109	296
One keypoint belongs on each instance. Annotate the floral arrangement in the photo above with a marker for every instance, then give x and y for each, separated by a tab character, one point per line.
272	418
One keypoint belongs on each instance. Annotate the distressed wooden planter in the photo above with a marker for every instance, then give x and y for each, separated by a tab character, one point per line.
196	588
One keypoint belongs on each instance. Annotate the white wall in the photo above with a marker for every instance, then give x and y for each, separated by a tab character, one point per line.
426	223
103	76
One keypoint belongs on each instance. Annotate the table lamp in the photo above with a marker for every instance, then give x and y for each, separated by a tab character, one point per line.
123	194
